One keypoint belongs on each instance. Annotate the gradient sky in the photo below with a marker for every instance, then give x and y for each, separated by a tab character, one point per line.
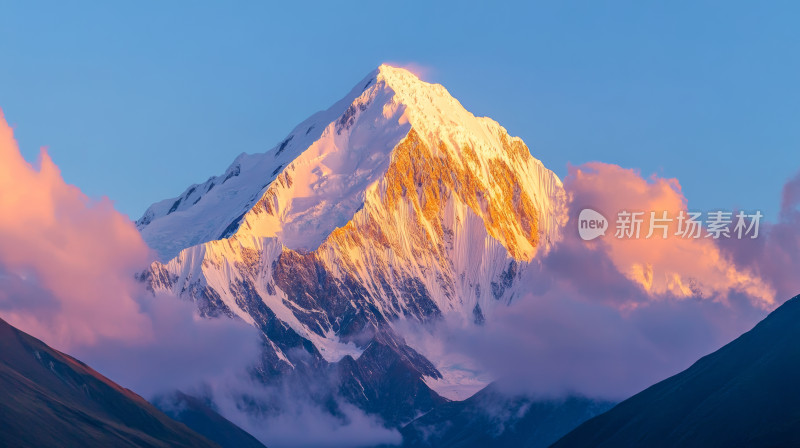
137	100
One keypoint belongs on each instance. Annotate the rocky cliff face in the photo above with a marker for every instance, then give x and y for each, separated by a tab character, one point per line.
394	204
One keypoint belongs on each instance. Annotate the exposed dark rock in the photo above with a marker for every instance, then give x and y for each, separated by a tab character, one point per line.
349	117
232	227
283	144
505	280
175	206
477	315
235	171
144	220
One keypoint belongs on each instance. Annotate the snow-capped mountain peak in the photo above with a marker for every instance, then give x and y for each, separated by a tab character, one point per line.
315	179
394	204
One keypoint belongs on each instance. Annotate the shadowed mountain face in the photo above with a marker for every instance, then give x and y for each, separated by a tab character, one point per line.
50	399
492	418
745	394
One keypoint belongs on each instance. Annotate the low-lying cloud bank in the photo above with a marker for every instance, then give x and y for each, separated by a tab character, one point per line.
291	414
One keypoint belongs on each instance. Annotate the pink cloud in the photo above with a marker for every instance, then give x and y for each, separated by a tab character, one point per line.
681	267
73	247
67	265
775	255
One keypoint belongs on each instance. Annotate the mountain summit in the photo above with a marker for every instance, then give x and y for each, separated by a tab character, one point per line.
394	204
320	175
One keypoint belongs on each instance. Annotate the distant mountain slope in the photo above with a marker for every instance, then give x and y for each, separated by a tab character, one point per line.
491	418
49	399
745	394
201	417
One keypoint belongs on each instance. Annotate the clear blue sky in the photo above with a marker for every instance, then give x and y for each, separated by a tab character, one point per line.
137	100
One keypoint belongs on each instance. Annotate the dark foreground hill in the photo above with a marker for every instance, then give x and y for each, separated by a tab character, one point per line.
745	394
201	416
50	399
